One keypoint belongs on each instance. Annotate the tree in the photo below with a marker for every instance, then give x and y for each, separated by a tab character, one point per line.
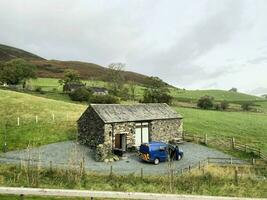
246	106
115	77
17	71
205	102
81	94
233	90
70	76
224	105
157	91
132	90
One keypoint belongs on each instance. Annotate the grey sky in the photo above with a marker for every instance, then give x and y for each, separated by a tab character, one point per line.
195	44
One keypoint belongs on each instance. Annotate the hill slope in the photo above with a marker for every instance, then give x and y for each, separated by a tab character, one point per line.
27	107
219	95
7	53
55	68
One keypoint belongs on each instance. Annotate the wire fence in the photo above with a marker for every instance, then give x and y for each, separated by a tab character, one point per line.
225	142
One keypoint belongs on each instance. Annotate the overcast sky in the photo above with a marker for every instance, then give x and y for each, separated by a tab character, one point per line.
193	44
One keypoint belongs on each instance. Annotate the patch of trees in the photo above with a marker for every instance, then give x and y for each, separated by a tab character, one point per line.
156	91
85	94
207	103
233	89
246	106
17	72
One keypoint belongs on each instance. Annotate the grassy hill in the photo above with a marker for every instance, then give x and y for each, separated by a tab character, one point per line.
8	53
247	127
219	95
26	107
55	68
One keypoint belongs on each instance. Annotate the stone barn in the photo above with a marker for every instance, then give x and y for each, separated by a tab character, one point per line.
125	127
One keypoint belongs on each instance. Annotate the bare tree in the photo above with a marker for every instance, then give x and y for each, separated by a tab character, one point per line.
115	77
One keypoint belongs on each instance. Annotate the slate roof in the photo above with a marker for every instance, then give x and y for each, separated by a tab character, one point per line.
110	113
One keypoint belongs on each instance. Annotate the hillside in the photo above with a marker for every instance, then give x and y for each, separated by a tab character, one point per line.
7	53
88	71
219	95
27	107
55	68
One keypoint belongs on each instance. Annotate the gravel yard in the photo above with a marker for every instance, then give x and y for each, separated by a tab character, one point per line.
65	154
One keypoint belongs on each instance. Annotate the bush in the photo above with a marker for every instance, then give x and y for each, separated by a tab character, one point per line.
104	99
81	94
217	106
156	97
205	102
246	106
39	90
224	105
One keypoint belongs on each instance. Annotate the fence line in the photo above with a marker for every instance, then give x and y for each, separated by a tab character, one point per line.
107	194
226	142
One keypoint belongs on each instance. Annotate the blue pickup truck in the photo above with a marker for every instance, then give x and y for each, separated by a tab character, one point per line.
157	152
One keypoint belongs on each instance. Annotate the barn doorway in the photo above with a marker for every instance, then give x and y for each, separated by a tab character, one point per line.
141	133
120	141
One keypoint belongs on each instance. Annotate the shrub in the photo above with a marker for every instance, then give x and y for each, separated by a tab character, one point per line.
81	94
224	105
156	97
104	99
205	102
39	90
246	106
217	106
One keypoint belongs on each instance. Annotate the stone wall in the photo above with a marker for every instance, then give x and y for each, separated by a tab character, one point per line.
119	128
165	130
90	129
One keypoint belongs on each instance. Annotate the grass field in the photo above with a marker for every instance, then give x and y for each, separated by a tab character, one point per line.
247	127
51	84
219	95
27	107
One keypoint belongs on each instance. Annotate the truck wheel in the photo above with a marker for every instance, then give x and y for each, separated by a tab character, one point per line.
156	161
179	157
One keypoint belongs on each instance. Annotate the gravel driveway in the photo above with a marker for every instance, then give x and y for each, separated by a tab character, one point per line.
69	153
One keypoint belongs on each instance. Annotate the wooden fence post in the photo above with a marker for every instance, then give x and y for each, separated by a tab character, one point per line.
233	143
36	119
18	122
231	160
53	117
111	170
50	166
253	161
199	165
236	175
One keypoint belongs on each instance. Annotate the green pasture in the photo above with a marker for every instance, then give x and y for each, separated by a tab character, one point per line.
247	127
31	109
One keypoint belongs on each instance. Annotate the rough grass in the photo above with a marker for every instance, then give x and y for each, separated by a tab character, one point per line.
247	127
219	95
27	107
213	181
